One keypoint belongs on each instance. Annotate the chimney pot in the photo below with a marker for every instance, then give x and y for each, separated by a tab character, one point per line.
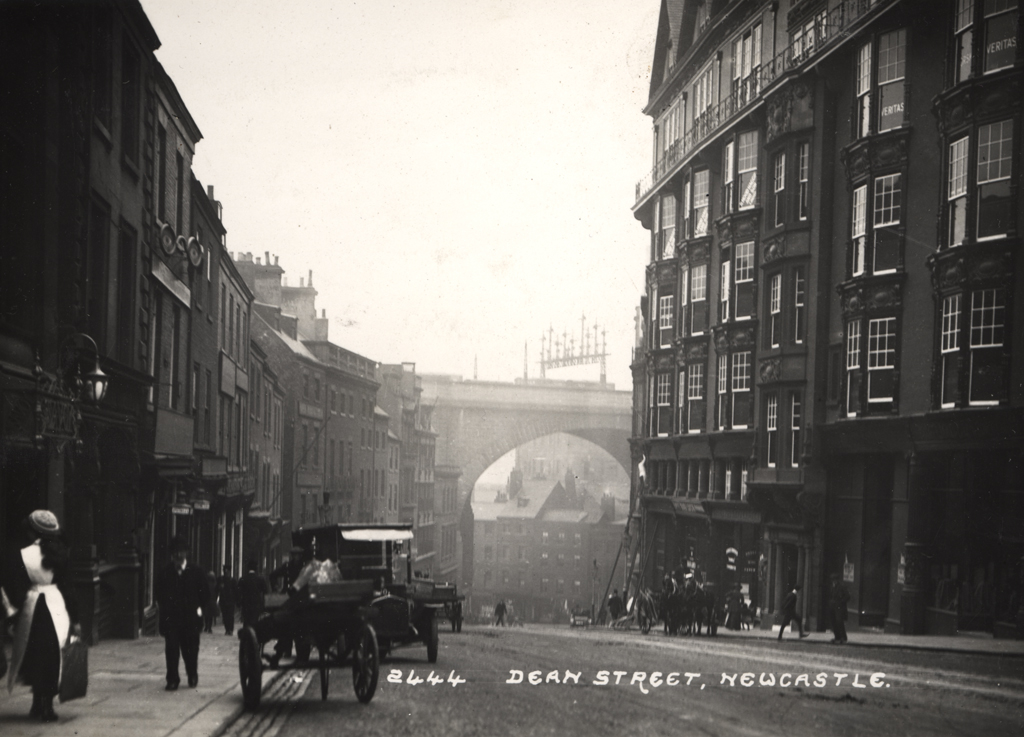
257	260
275	260
209	191
310	277
267	253
302	281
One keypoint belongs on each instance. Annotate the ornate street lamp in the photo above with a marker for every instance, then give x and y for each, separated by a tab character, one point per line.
93	385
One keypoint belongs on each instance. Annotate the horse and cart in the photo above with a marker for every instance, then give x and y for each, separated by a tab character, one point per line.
682	610
368	606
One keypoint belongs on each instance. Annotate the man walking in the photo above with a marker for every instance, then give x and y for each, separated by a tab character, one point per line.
789	612
499	613
183	597
226	599
838	598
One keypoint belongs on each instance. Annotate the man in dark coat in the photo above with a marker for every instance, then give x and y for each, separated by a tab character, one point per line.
226	595
183	596
789	612
37	598
252	591
499	613
282	578
615	605
838	598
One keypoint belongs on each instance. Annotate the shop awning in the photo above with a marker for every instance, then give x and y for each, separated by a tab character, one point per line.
376	535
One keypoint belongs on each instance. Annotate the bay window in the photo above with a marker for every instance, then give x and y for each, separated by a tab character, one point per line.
858	229
695	397
775	311
746	166
740	390
744	275
724	284
700	202
852	368
988	327
881	359
949	349
799	307
956	191
795	421
877	241
686	210
684	283
698	299
995	152
703	92
885	90
985	30
666	227
663	399
665	314
772	430
803	180
1000	19
723	391
779	189
729	177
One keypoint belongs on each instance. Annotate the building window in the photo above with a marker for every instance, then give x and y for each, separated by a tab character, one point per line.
179	203
663	397
775	311
864	90
799	306
957	191
700	202
804	180
695	397
949	350
665	308
666	235
887	213
684	284
852	368
881	359
892	51
687	204
772	430
747	170
988	324
779	188
698	299
995	152
126	285
746	65
723	391
724	287
1000	17
703	92
740	390
795	421
858	230
744	275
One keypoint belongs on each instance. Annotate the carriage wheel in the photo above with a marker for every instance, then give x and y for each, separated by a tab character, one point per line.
365	664
432	640
325	672
250	668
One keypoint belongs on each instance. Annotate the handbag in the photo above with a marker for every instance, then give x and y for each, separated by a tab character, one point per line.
74	680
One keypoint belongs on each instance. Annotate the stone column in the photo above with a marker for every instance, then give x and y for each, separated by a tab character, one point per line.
912	599
694	475
705	479
682	476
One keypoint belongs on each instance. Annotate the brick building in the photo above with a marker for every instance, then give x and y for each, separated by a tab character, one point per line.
826	379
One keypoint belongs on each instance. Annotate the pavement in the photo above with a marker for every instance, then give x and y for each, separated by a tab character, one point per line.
126	695
127	698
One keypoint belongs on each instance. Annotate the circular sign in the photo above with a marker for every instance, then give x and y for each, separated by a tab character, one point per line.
167	239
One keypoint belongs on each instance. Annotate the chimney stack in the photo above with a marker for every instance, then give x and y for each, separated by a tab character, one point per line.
267	254
302	282
209	192
275	259
257	260
311	277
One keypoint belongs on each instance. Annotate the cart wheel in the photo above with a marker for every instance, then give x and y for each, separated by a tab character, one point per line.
365	664
325	673
432	640
250	668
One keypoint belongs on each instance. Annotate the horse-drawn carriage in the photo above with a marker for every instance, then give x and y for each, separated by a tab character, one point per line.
365	605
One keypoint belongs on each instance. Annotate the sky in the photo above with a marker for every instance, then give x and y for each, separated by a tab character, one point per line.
458	174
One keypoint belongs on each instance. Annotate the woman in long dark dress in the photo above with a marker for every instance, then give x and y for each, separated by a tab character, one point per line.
38	601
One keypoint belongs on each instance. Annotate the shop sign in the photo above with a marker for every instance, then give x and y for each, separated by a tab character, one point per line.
731	554
848	571
201	504
181	509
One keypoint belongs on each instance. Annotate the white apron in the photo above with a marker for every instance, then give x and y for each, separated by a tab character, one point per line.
42	583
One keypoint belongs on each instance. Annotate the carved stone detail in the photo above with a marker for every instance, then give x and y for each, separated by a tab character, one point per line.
696	351
699	251
774	248
852	301
770	370
883	296
779	114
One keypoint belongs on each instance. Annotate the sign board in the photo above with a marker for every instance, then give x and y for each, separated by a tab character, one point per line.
201	504
848	571
181	509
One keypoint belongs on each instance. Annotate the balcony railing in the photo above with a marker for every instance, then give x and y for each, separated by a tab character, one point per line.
836	25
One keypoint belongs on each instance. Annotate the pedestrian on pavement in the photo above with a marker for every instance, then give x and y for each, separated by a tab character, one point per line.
499	613
733	607
615	605
789	612
252	591
37	599
838	598
182	596
210	614
283	577
226	595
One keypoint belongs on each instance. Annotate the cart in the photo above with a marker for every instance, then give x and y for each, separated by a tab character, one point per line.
335	618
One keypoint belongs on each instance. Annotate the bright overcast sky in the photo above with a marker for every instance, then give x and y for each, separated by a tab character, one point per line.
457	174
